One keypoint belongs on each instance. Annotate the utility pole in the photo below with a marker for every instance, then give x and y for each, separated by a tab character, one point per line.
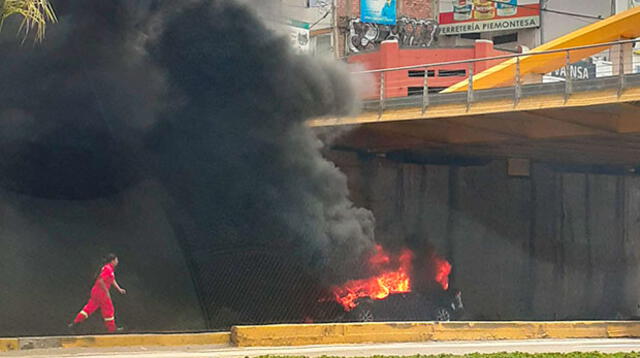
613	7
335	32
541	28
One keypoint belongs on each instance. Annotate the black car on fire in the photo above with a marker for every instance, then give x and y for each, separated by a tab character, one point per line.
439	305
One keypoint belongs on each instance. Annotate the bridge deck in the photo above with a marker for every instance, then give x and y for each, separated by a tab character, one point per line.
597	124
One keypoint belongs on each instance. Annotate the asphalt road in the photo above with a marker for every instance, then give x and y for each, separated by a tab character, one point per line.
531	346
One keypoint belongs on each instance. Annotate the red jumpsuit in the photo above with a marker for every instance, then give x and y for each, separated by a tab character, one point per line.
101	299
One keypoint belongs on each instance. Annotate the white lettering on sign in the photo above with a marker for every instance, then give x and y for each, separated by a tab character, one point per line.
493	25
577	72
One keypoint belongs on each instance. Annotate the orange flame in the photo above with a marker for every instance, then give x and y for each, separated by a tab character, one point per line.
393	275
388	281
443	269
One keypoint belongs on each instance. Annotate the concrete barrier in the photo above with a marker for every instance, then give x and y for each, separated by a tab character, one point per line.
311	334
344	333
146	340
120	340
9	344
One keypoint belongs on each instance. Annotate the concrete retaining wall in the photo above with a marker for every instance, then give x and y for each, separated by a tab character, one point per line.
559	245
50	251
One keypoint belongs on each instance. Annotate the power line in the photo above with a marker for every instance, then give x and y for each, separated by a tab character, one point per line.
320	19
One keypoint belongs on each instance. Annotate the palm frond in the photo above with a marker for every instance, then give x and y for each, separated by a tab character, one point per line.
35	15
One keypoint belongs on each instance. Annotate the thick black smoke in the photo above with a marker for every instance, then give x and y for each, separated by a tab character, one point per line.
237	136
199	96
68	105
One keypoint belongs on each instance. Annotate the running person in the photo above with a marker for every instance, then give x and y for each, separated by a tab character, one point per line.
100	296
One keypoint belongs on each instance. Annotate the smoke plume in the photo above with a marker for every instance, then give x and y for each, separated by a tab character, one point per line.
200	97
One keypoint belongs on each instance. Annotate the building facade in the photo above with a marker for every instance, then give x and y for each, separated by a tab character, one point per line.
309	24
350	28
414	26
411	82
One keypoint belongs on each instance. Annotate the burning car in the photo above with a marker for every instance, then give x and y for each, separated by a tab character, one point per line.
413	306
401	287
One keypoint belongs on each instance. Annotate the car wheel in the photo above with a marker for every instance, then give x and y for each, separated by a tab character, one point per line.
442	314
364	313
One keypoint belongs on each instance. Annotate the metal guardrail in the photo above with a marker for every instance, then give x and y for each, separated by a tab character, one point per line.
620	78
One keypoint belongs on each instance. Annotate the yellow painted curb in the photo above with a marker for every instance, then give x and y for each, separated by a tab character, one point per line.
344	333
124	340
9	344
145	340
312	334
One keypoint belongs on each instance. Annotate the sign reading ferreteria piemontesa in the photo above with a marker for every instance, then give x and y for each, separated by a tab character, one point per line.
467	16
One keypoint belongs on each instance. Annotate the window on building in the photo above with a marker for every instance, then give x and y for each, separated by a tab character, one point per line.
418	91
452	73
471	36
420	73
503	39
323	46
415	91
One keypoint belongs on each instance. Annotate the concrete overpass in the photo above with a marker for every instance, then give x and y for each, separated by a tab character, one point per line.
595	121
598	123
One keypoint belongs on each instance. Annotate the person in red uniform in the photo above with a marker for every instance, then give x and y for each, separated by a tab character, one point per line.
100	296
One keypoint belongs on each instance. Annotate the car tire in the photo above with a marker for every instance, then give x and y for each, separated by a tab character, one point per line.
364	313
442	314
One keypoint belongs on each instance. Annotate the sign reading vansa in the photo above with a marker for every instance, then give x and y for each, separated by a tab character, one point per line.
582	70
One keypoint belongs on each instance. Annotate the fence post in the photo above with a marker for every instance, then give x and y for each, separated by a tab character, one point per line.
382	87
518	84
425	90
568	80
470	87
621	70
